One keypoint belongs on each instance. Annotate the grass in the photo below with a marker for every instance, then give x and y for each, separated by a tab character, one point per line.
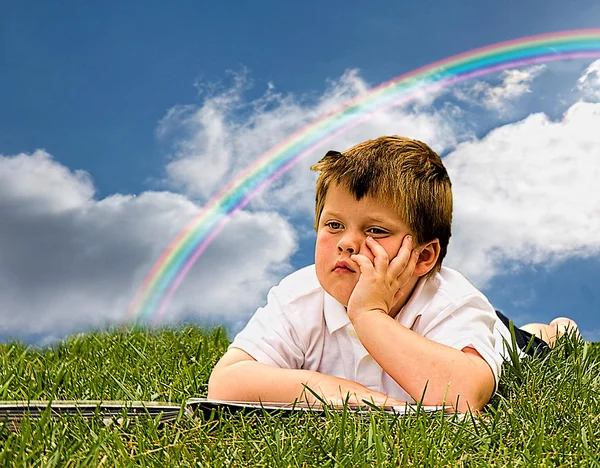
546	413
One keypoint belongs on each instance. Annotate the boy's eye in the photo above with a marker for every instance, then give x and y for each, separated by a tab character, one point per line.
334	225
375	230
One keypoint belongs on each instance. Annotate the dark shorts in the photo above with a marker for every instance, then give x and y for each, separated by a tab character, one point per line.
523	338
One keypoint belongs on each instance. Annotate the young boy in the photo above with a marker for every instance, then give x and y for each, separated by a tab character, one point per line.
376	317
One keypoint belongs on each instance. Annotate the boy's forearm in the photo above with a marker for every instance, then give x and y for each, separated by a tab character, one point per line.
255	381
414	361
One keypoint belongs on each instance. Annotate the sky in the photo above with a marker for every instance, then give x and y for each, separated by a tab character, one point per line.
119	121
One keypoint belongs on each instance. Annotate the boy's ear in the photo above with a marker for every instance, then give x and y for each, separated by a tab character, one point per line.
428	257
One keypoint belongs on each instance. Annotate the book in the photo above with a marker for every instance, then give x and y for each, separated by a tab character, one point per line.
13	410
208	405
110	409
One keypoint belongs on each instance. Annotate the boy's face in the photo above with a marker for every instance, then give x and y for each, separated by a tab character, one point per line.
343	228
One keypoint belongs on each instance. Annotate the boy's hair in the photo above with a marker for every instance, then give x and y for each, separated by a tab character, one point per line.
397	170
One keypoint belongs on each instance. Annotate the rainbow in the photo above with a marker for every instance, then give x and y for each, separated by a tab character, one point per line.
169	271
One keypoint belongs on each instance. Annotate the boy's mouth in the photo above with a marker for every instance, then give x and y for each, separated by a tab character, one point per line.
343	267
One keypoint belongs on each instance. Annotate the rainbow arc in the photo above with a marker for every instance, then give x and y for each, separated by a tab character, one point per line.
171	268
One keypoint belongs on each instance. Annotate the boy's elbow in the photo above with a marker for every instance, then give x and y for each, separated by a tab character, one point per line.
485	393
215	386
477	397
473	401
220	386
478	390
461	400
224	381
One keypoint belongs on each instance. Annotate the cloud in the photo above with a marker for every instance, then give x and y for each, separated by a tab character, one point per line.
36	181
514	189
588	84
69	262
527	194
524	194
212	144
515	83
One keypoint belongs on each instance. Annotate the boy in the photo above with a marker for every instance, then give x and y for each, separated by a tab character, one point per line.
377	317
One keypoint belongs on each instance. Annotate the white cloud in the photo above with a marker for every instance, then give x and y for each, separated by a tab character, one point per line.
69	262
524	194
214	145
589	82
37	182
515	83
527	194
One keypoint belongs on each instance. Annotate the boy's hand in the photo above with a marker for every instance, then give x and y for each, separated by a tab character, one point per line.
336	391
382	283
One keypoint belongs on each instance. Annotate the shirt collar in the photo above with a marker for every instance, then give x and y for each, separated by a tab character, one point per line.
335	314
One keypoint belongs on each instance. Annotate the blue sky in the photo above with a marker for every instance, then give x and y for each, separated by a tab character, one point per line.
102	102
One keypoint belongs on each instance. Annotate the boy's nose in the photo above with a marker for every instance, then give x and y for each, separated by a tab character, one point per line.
350	244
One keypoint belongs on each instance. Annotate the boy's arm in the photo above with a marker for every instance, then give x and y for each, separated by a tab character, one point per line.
414	362
239	377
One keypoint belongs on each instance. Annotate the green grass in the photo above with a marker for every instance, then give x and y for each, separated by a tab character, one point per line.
547	413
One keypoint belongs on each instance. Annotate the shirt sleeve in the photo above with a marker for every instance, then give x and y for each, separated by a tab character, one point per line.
270	338
468	326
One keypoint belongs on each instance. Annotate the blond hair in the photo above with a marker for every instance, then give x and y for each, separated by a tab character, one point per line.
404	172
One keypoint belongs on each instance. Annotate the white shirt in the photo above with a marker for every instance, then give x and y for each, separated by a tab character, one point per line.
303	327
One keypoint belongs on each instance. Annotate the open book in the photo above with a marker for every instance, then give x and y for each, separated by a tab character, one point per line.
13	410
205	405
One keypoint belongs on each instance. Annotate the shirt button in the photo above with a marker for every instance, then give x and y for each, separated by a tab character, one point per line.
351	332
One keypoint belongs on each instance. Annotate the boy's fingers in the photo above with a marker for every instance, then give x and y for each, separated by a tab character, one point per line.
405	261
409	269
363	262
380	256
